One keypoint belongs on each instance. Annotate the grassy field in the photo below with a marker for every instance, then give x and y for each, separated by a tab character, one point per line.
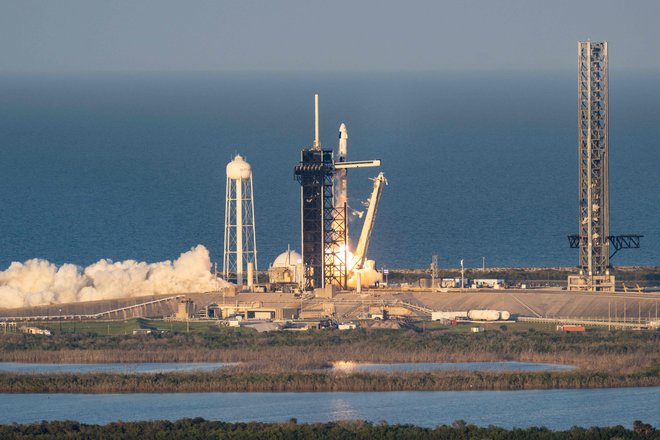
125	328
119	328
295	361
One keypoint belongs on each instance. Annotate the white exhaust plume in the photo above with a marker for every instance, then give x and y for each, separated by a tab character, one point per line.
368	275
39	282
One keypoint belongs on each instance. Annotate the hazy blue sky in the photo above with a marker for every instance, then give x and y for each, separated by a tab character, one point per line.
305	35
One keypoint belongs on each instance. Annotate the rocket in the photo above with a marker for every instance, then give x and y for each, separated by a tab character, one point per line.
341	174
343	138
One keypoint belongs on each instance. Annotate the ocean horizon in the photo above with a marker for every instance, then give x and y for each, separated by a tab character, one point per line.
132	166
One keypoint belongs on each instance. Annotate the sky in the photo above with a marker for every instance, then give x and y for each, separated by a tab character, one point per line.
321	36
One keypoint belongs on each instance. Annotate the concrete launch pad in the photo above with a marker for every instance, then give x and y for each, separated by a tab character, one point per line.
539	303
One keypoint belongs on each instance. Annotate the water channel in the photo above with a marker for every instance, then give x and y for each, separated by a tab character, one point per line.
555	409
360	367
337	367
147	367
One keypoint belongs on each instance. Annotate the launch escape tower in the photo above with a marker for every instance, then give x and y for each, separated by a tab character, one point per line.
594	237
323	219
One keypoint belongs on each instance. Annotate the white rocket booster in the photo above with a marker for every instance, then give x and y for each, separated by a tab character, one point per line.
343	137
341	174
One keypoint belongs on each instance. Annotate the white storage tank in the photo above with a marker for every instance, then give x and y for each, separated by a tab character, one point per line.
484	315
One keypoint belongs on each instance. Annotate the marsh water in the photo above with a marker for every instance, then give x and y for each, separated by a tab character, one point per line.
147	367
357	367
337	367
555	409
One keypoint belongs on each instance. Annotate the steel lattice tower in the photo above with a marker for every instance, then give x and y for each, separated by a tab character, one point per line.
324	232
323	226
315	173
240	250
593	136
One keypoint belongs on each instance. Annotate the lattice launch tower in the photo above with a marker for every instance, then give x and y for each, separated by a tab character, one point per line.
593	140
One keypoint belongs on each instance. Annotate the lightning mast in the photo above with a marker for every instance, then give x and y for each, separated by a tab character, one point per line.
594	240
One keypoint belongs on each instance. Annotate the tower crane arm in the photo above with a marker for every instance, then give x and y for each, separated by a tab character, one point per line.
367	227
357	164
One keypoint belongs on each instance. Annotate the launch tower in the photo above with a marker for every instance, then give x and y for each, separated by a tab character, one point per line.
594	237
323	220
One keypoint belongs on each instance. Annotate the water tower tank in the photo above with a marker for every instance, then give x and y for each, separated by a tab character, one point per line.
239	169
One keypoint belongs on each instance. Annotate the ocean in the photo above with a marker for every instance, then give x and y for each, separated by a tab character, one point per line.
479	165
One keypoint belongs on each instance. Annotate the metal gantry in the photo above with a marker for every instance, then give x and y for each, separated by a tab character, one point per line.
323	219
593	153
323	225
618	242
593	203
313	172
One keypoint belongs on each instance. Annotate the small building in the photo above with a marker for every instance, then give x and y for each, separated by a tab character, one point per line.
185	310
142	332
492	283
570	328
440	315
347	326
35	331
286	269
452	282
258	312
211	311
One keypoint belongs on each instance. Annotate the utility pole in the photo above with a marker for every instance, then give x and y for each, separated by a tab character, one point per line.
483	264
462	275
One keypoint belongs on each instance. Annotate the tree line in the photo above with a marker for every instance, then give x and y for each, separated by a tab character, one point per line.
201	429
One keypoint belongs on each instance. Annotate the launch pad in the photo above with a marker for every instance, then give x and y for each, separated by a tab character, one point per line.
323	214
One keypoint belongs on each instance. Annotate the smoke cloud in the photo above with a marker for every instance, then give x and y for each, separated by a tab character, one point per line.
368	275
38	282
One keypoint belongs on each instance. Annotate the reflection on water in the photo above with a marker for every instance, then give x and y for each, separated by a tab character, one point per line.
556	409
341	409
150	367
361	367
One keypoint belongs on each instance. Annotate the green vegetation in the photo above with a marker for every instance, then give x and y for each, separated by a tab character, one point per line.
202	429
237	381
594	350
295	361
123	328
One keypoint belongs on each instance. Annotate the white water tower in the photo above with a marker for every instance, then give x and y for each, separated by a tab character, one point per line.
240	256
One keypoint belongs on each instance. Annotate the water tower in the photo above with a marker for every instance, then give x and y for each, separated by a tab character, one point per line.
240	255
